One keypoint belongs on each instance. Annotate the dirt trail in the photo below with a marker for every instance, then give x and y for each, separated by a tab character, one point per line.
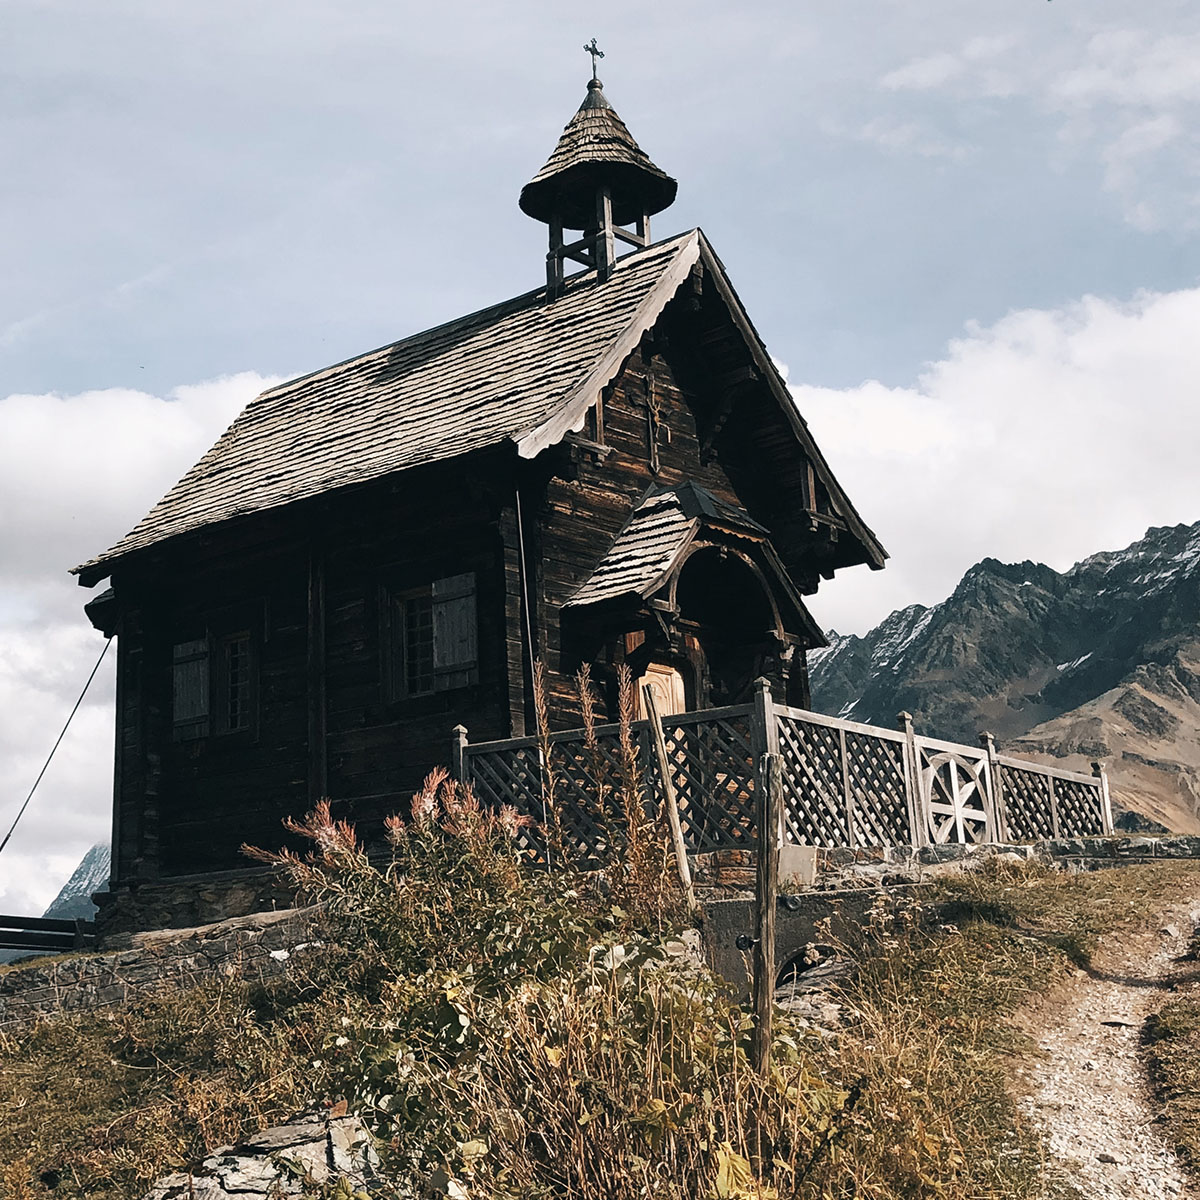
1090	1093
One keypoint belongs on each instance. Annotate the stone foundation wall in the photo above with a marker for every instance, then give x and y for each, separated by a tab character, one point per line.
732	871
257	947
187	901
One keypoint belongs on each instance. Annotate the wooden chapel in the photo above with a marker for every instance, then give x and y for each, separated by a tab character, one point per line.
605	470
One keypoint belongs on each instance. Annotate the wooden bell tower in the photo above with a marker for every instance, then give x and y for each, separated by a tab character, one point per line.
598	181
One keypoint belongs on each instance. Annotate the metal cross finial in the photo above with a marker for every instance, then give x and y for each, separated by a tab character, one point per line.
596	53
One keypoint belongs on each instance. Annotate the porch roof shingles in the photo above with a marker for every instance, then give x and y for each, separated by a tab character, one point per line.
641	554
658	530
463	386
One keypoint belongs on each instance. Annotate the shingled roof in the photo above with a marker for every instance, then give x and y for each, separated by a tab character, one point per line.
655	540
658	531
499	374
523	372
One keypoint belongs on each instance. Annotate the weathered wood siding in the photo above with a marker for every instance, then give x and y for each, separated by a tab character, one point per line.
312	580
586	503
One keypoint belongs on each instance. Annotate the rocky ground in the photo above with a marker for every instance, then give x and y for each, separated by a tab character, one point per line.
290	1160
1088	1089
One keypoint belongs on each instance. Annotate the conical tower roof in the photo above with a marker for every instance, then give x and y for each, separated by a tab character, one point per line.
596	149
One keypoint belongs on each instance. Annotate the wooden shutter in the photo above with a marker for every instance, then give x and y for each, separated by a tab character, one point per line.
190	689
455	652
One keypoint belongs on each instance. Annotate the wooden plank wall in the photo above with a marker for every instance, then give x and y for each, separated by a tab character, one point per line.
325	720
583	509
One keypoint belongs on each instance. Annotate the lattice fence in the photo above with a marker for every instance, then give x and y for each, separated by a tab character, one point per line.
712	767
845	784
1028	810
1041	805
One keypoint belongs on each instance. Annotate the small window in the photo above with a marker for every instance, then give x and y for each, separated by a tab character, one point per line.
416	617
235	698
434	637
213	686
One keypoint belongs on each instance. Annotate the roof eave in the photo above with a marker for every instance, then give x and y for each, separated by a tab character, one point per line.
95	570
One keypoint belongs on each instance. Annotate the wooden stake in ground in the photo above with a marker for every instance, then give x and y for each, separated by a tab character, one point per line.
769	808
668	781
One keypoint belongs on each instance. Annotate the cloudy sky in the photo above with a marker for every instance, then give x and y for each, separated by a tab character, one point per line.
971	232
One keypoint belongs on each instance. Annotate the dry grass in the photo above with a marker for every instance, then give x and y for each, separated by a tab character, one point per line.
517	1033
1173	1037
100	1104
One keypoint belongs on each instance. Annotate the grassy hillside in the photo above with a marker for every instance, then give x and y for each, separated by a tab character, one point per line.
509	1033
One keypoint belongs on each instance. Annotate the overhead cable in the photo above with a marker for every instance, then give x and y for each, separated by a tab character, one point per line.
53	748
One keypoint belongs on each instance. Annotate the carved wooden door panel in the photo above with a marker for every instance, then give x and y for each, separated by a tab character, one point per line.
667	685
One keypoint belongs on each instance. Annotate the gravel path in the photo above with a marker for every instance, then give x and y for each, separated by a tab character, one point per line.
1090	1094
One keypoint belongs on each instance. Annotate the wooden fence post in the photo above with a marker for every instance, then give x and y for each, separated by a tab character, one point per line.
995	788
766	740
847	790
668	782
769	807
1101	774
1054	825
458	753
918	819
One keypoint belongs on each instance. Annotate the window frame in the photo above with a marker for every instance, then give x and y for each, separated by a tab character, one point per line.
396	604
218	723
221	700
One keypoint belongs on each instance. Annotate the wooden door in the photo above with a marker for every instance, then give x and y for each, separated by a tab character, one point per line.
667	685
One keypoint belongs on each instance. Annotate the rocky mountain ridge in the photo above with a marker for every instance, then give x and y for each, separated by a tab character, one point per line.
74	899
1100	661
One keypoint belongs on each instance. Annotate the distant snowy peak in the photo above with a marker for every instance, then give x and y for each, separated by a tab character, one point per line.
898	632
1164	556
882	651
75	899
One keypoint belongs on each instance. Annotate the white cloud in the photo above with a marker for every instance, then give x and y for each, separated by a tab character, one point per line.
922	74
969	64
908	137
1133	69
1048	435
76	472
1127	100
1133	100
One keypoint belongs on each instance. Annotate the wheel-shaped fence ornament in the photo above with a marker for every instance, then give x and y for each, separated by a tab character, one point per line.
954	792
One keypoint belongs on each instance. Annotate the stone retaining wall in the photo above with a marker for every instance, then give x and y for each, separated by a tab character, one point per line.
262	945
850	882
255	947
730	871
188	901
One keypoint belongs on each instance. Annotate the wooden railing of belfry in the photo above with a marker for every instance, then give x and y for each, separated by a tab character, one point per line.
845	784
